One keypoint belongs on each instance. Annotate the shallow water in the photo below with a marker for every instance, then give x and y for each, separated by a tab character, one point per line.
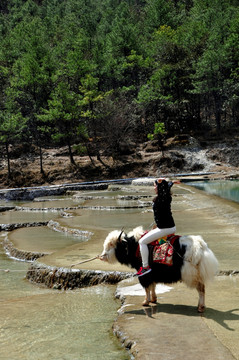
228	189
107	219
38	323
13	216
42	239
61	330
53	203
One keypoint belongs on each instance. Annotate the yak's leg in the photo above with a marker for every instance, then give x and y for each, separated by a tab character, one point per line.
153	293
201	292
147	297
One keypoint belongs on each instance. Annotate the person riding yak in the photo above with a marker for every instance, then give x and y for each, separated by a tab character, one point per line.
163	219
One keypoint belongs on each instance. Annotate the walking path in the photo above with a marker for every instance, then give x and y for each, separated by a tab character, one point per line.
172	329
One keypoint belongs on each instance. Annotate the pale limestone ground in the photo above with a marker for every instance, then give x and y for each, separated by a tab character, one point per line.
173	329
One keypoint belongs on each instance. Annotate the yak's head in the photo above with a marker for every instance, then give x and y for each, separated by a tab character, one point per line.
110	244
113	238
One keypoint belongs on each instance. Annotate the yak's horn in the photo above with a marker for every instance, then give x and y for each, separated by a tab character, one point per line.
120	235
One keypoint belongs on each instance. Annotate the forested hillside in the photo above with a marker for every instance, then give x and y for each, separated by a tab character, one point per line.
93	74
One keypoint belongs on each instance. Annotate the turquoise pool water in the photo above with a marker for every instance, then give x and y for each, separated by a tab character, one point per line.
227	189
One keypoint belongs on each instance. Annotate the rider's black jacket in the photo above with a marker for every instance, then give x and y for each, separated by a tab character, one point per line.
162	206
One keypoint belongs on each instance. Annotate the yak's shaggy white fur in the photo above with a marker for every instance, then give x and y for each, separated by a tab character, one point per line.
137	232
200	264
108	253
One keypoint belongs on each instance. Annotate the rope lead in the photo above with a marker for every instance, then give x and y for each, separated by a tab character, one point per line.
84	261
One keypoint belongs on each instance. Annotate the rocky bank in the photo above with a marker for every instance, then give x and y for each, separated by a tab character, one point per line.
182	154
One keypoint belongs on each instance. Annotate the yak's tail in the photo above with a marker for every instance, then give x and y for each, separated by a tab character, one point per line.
200	263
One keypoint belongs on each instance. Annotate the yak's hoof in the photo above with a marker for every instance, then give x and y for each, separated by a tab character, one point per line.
201	309
154	301
145	303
